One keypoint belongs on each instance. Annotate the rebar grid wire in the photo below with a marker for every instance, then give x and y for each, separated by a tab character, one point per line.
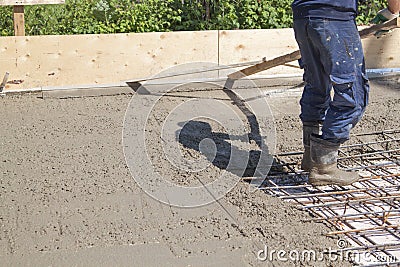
367	212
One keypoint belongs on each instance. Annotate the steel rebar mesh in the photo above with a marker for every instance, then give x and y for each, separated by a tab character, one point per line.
367	212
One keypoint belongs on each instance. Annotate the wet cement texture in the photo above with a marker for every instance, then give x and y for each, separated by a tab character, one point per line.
67	197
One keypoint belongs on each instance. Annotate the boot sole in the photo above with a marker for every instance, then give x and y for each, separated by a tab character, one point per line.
322	182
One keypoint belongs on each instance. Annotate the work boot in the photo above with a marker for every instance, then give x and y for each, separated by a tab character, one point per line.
308	129
324	169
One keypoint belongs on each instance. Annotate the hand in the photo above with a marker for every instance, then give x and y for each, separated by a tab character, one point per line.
384	15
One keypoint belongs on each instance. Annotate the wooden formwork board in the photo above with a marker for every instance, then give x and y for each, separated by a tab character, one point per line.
105	59
98	59
383	52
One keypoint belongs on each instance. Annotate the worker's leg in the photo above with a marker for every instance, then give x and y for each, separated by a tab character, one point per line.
332	50
341	57
315	99
348	77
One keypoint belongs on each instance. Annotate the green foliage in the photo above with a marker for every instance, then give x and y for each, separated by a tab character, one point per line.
265	14
117	16
6	21
368	10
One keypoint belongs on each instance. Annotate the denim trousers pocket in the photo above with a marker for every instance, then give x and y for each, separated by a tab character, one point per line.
344	93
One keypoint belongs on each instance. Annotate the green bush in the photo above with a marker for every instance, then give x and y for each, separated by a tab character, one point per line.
6	21
368	10
117	16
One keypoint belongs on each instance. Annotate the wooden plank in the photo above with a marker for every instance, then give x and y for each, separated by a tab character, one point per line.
364	33
104	59
29	2
19	21
382	52
101	59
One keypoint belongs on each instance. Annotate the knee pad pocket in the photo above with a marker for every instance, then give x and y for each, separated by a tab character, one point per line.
344	93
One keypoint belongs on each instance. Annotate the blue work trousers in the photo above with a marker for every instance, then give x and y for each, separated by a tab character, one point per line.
332	57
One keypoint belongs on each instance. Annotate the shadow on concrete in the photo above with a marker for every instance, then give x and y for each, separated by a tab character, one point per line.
194	132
